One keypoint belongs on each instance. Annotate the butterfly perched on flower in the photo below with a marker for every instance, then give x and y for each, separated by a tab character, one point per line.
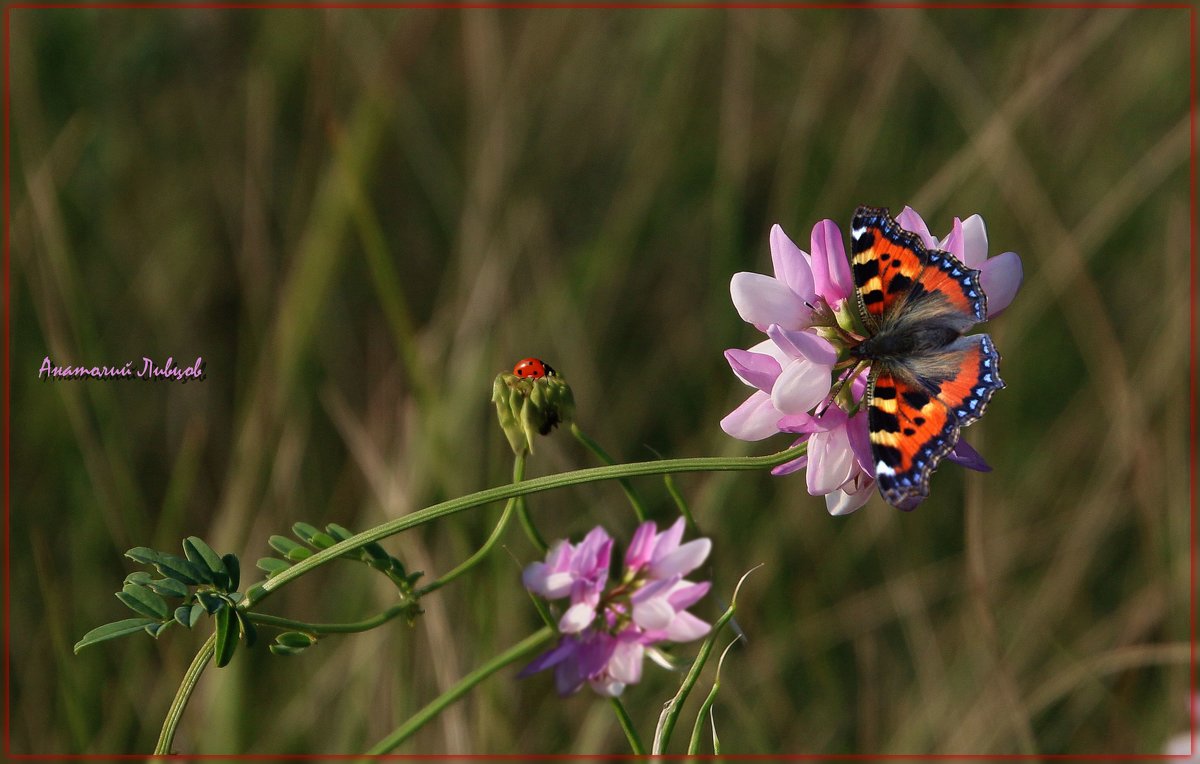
927	380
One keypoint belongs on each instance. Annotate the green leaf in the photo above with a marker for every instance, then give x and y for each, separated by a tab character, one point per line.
171	565
183	615
201	553
322	540
168	587
272	565
211	601
285	650
112	631
139	599
138	577
227	637
338	532
376	551
296	639
249	633
154	629
194	617
298	554
305	532
234	568
282	544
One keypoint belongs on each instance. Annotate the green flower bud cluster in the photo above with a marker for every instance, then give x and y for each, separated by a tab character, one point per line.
527	407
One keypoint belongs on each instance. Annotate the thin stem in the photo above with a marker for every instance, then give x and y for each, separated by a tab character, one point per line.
627	727
698	727
680	503
515	653
262	619
638	508
497	532
531	530
536	485
675	706
183	694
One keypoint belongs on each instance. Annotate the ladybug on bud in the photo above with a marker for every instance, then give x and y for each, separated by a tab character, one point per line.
533	368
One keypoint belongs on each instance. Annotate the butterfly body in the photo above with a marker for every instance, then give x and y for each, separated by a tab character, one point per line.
927	379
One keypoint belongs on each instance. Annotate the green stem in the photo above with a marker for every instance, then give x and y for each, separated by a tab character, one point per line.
530	644
536	485
638	508
183	694
627	727
705	708
475	559
287	624
531	530
681	503
675	706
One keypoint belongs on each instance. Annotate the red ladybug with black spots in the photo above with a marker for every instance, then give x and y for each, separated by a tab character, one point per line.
533	368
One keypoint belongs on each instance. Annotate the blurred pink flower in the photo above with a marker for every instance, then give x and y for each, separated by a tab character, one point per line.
605	635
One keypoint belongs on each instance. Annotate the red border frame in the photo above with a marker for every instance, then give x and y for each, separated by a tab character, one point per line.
156	5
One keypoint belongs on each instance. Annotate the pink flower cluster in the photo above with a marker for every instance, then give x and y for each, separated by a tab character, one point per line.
792	371
608	629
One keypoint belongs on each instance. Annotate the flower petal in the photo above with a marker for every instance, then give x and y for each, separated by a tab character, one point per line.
794	465
800	386
683	560
552	657
953	243
641	546
802	423
685	594
974	242
911	221
755	369
753	420
668	541
968	457
860	441
1001	278
653	613
831	269
830	461
685	627
577	618
842	503
791	264
762	300
801	344
625	665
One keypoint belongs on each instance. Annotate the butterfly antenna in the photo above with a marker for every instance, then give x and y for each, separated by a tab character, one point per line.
845	377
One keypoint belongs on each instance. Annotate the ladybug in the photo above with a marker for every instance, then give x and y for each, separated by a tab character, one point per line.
533	368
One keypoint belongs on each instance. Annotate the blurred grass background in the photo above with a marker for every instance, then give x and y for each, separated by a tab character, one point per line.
359	217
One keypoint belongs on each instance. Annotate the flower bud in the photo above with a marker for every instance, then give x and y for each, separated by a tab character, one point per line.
527	407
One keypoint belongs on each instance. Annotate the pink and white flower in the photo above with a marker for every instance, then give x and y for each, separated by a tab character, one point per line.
606	634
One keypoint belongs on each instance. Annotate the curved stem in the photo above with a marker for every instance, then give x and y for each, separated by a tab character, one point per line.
473	560
513	654
635	742
638	508
183	694
536	485
262	619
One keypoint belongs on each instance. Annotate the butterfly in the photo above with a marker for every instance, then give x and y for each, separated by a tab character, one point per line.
927	381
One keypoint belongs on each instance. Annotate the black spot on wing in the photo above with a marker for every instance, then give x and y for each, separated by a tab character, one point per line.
885	392
886	454
872	297
899	283
882	421
864	272
916	399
